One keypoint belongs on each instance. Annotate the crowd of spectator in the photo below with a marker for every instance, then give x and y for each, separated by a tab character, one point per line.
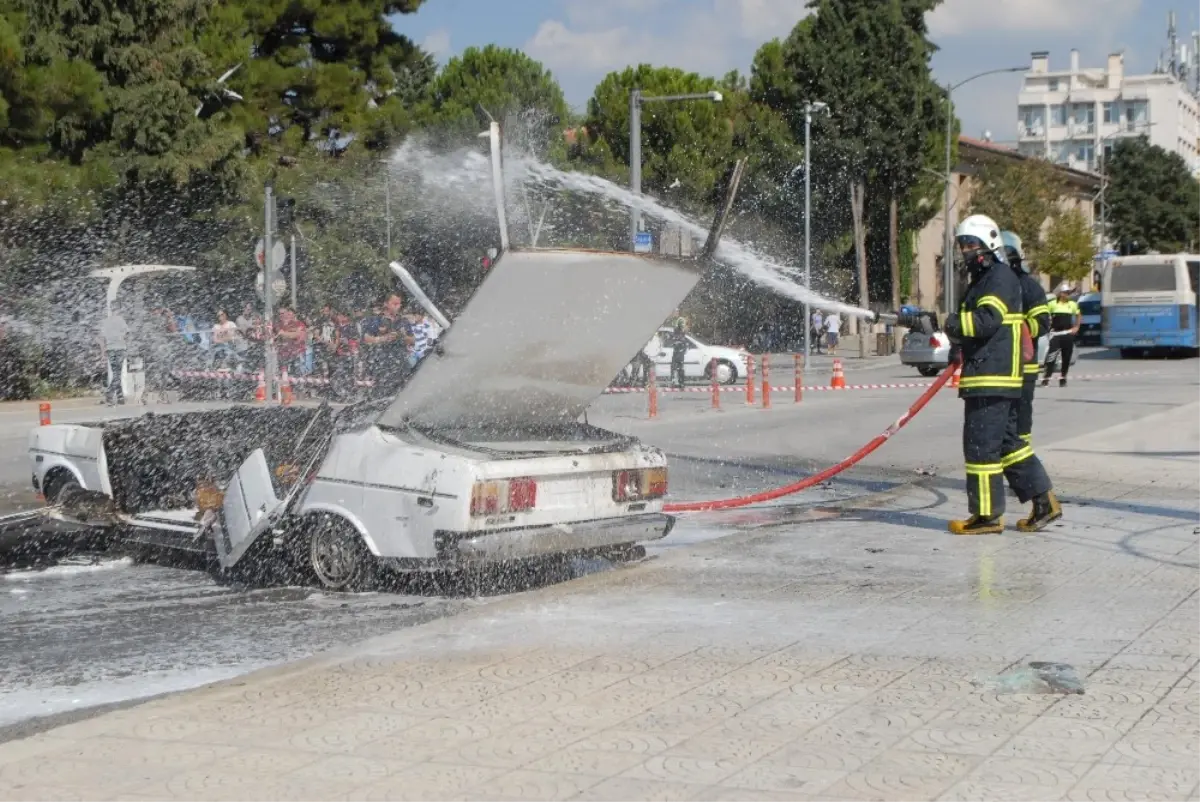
381	343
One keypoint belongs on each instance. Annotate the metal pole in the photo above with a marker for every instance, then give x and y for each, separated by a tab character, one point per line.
807	233
270	357
635	161
294	304
387	209
947	243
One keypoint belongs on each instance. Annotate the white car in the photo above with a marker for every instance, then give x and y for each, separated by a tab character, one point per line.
731	363
480	457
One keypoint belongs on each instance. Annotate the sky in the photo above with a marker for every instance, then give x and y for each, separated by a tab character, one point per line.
582	40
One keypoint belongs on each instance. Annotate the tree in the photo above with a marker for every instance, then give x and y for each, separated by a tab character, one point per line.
1152	198
501	81
1068	249
870	61
1020	194
690	142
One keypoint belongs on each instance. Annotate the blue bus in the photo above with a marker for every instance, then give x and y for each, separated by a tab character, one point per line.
1148	304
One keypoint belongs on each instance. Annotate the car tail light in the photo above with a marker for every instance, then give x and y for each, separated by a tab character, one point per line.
503	495
639	485
933	342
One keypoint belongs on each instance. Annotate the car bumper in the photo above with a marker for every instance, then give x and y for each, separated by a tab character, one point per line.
542	541
925	356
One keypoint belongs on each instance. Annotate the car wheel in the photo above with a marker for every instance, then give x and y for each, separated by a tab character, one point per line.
336	553
726	372
928	370
1130	353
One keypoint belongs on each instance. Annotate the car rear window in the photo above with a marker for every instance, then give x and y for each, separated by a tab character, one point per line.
1143	278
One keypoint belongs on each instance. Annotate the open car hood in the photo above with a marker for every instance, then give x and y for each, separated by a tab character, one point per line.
545	332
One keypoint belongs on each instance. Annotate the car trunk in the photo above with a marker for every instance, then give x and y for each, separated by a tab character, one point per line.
157	462
544	334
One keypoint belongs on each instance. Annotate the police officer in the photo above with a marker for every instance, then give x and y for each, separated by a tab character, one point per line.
987	329
1064	324
1037	320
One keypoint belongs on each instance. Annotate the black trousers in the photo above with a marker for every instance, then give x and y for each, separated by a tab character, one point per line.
1064	343
114	391
994	453
1025	409
677	374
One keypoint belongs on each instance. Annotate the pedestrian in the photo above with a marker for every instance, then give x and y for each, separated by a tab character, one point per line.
679	349
987	330
833	327
816	331
1064	325
1037	321
386	341
343	367
291	342
114	341
224	339
324	334
424	331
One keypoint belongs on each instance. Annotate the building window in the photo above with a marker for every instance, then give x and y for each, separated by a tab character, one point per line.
1058	114
1108	150
1085	154
1053	84
1111	113
1137	114
1031	120
1084	115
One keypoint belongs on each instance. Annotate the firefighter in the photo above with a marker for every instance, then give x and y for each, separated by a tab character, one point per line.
1037	319
988	329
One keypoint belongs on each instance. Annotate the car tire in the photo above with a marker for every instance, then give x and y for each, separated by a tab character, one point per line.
334	552
928	370
726	372
1130	353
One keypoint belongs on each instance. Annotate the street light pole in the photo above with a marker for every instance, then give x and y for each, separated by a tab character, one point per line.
809	108
636	99
948	243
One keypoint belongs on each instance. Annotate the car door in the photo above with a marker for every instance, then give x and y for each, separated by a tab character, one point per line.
660	354
694	361
250	508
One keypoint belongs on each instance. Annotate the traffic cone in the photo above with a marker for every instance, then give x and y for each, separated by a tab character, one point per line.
44	413
838	382
285	389
957	375
260	392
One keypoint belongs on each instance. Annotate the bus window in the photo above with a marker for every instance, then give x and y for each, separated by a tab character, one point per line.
1142	278
1194	275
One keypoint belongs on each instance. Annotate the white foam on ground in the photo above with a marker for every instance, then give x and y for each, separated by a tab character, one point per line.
65	568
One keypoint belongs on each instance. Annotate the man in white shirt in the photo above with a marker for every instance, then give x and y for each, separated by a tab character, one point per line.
833	326
114	341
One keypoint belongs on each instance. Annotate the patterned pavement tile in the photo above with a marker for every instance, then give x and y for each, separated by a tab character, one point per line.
1140	782
531	785
428	781
888	785
622	789
772	776
684	769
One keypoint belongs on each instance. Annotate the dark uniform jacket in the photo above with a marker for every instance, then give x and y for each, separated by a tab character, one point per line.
988	328
1037	315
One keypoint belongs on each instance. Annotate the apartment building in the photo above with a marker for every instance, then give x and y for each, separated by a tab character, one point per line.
1073	117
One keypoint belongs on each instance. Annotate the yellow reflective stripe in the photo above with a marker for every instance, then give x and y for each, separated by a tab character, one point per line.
991	381
967	319
1014	319
1038	310
1032	367
1016	344
994	302
985	467
1020	455
1028	438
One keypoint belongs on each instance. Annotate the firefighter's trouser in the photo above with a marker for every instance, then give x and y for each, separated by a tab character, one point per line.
1025	409
995	453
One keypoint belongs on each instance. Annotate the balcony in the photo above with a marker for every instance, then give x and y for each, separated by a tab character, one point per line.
1028	132
1082	130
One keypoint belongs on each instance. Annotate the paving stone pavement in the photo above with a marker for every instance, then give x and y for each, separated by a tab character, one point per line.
834	659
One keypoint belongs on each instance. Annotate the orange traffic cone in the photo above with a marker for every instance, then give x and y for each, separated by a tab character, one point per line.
839	379
285	389
957	375
44	413
260	392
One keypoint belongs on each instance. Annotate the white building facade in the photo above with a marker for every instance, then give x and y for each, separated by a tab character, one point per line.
1073	117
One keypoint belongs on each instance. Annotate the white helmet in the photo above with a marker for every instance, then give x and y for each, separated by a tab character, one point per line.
984	229
1014	250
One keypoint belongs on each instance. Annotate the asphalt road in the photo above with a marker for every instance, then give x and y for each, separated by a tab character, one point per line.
84	634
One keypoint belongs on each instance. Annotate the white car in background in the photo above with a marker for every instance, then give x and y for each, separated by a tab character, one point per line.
731	363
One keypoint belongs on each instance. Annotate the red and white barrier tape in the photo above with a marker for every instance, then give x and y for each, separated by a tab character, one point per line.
229	375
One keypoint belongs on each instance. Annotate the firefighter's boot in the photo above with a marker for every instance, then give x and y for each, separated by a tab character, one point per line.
1046	510
977	525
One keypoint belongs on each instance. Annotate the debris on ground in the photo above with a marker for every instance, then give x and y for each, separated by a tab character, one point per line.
1037	677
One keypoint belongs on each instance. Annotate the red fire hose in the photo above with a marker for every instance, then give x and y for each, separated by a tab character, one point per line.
833	470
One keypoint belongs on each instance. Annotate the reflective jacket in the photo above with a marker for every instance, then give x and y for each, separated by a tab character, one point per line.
1037	315
988	327
1063	314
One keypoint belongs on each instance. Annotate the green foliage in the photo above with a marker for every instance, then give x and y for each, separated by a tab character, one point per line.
1152	198
1067	252
1020	195
501	81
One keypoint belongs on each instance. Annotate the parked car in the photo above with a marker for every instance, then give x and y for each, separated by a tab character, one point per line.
731	363
1089	327
928	353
